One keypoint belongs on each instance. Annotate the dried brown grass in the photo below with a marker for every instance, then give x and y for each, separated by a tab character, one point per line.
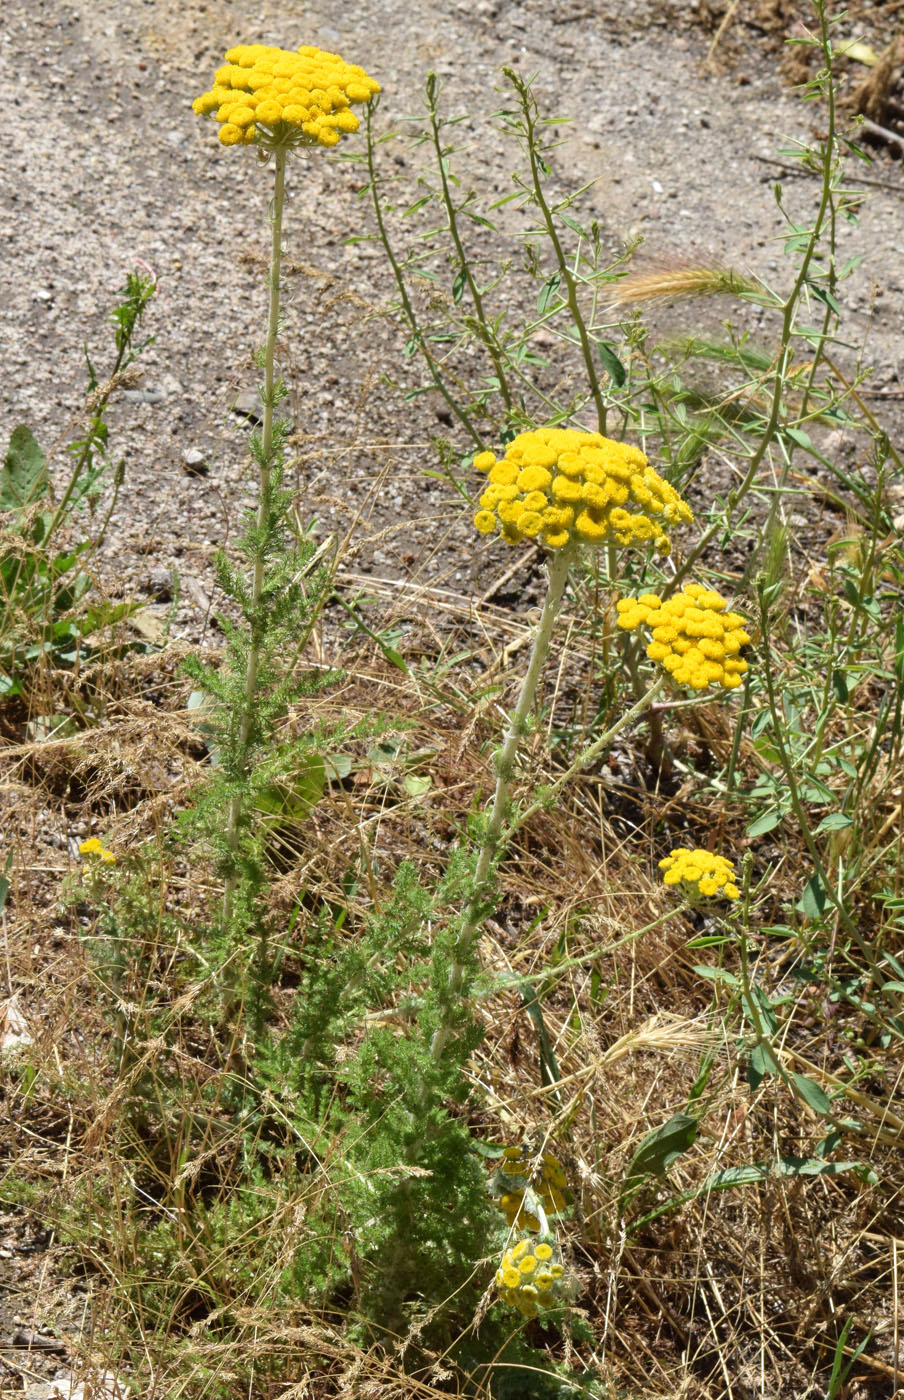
729	1294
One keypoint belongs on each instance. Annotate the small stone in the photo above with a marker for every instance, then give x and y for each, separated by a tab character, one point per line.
158	583
248	406
143	395
14	1033
195	462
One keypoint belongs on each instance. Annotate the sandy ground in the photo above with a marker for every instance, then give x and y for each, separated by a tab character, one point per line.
108	164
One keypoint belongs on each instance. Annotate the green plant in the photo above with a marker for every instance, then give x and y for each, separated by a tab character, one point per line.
317	1054
47	617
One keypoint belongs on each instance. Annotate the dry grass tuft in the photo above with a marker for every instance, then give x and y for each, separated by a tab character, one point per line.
689	1290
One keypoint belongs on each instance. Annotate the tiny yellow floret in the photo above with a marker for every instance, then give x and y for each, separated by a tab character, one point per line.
303	97
622	499
94	847
694	638
700	873
526	1280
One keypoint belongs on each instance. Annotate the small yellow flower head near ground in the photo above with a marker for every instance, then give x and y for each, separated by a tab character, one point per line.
93	847
559	485
276	96
694	638
530	1276
700	873
548	1184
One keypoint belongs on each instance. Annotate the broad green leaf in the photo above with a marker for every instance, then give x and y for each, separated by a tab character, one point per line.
548	293
813	790
663	1146
574	225
815	1166
825	296
292	798
812	1094
835	821
761	1062
338	765
765	822
754	1172
416	784
23	478
766	1014
418	204
395	658
611	363
549	1065
813	900
761	722
716	974
486	1149
736	1176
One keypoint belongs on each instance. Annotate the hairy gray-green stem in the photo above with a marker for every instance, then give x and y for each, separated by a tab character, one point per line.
263	507
558	566
497	834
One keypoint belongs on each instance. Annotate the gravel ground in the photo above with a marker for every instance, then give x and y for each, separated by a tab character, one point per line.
105	164
109	165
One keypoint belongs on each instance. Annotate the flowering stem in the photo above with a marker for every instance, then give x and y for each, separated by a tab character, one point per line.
417	336
789	309
803	822
137	293
529	112
486	333
558	566
265	466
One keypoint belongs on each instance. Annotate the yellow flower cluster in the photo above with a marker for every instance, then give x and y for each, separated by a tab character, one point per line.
529	1277
278	96
701	872
697	641
558	485
548	1184
93	847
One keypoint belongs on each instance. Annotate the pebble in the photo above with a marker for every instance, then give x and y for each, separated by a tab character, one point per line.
195	462
248	405
159	584
102	1385
143	395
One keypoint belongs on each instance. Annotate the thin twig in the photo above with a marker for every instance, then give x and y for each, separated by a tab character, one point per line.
801	170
